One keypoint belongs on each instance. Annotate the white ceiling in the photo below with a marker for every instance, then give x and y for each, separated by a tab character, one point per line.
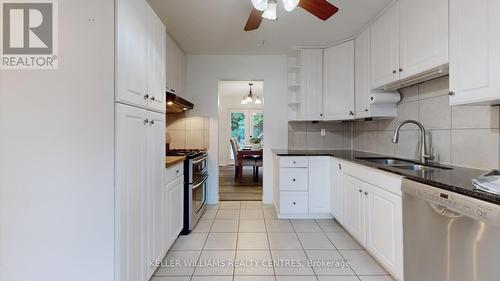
216	26
240	88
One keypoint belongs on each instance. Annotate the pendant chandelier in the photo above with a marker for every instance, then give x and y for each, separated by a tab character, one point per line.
251	98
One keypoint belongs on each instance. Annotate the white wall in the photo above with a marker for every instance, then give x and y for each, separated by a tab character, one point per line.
203	75
56	156
226	105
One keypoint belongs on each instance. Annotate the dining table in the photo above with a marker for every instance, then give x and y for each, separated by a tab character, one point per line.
246	152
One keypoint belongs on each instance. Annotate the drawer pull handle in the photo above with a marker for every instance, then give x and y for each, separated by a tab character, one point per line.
294	203
360	191
293	179
294	162
366	193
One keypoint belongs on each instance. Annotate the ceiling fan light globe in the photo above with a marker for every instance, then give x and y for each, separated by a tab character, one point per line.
270	12
290	5
260	5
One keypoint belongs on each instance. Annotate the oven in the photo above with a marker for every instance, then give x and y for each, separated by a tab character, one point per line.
195	191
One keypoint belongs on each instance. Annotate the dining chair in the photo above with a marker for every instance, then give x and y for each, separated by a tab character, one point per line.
246	160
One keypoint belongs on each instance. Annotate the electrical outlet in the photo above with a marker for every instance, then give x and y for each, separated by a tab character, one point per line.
323	132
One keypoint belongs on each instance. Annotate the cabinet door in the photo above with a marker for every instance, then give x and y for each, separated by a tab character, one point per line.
385	48
311	85
175	67
354	209
384	224
131	248
362	74
474	51
423	35
320	179
338	90
132	52
337	194
175	208
156	62
156	186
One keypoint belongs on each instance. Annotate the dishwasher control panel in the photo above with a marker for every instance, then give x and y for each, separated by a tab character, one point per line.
459	203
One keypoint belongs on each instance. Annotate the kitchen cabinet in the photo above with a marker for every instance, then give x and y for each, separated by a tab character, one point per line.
174	208
384	228
354	209
385	48
423	35
337	194
338	81
319	185
140	152
139	56
474	52
363	91
302	186
156	62
311	85
175	67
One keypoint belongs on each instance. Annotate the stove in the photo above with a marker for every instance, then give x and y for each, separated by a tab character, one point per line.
195	184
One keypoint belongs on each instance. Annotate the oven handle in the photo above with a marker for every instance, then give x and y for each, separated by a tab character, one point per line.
196	161
196	185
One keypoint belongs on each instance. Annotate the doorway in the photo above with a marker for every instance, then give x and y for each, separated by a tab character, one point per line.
241	133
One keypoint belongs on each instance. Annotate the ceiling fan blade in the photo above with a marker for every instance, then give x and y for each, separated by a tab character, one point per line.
320	8
254	20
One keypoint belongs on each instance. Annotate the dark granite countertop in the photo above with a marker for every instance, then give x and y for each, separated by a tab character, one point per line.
457	179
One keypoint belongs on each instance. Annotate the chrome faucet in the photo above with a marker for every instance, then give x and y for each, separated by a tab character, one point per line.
425	157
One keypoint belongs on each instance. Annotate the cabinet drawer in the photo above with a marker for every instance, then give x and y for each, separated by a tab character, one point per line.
294	179
293	162
174	172
294	202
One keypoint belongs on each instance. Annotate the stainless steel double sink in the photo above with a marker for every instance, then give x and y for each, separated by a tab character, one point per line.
403	164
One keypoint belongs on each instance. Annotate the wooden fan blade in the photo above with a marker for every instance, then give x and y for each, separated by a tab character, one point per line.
254	20
320	8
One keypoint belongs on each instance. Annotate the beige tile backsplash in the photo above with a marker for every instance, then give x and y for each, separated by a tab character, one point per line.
466	136
187	132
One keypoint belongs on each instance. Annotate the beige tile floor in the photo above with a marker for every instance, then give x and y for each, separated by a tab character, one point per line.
244	241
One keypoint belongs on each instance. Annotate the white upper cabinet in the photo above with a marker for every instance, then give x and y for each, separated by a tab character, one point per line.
338	82
385	48
132	52
311	85
176	61
423	35
474	52
156	62
140	53
362	74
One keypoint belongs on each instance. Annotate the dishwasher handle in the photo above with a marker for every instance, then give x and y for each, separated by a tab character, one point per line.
444	211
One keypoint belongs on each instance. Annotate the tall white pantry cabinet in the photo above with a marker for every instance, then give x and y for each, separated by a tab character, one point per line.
141	228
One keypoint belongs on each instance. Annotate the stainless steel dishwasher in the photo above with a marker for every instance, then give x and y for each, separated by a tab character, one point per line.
448	236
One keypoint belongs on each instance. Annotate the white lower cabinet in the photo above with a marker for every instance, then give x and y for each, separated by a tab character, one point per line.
174	209
140	158
384	228
303	186
354	208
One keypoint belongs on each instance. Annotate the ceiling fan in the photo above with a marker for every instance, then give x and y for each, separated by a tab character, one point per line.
266	9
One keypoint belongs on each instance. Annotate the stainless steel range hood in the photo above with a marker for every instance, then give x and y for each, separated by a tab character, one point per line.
176	104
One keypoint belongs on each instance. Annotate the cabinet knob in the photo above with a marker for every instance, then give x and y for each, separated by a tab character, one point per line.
366	193
146	121
451	93
351	113
152	122
294	203
340	166
146	96
152	98
360	191
294	162
394	72
321	114
400	70
173	90
177	171
293	180
366	109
